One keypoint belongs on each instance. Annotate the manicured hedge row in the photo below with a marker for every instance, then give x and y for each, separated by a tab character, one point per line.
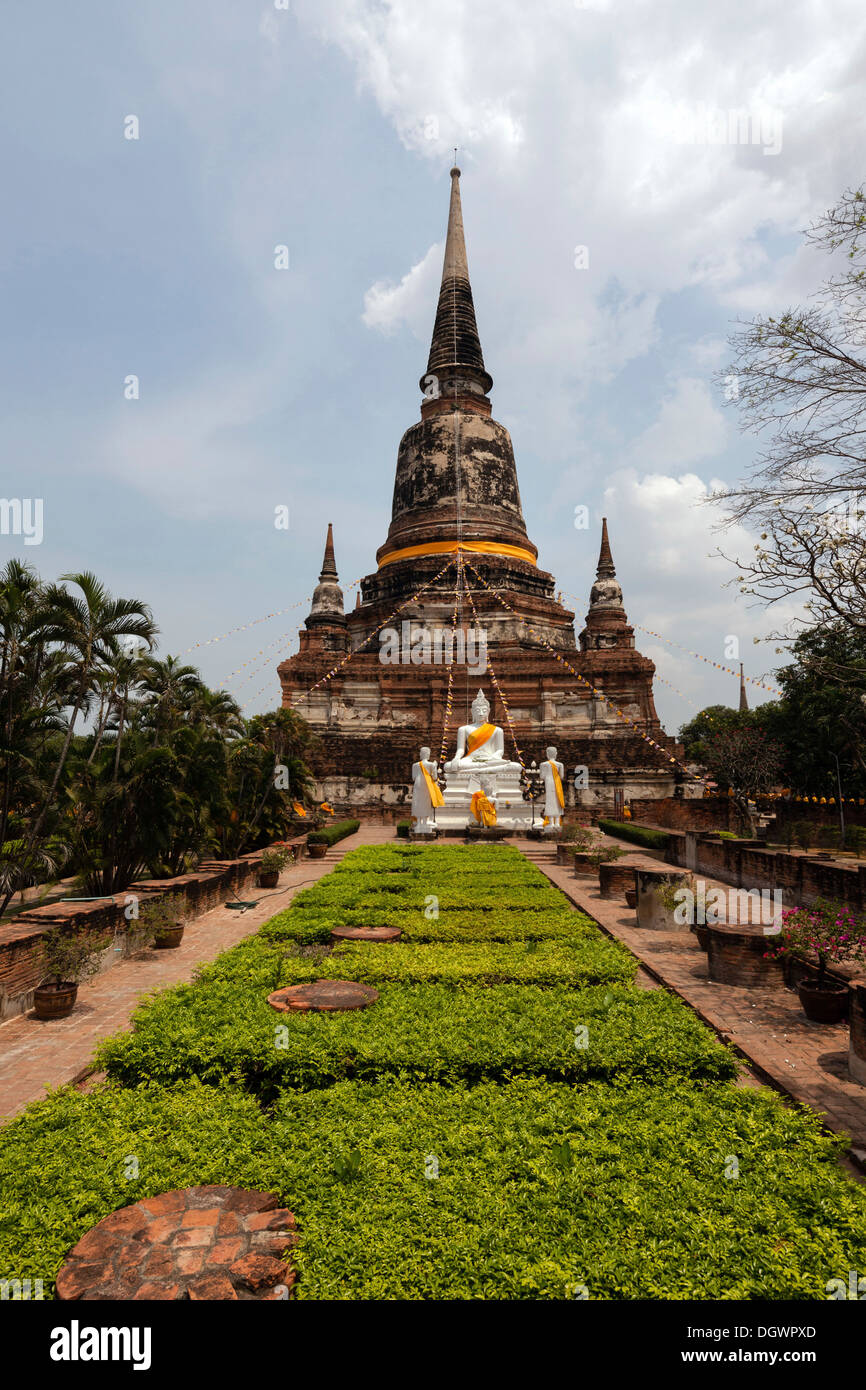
576	961
221	1029
457	926
638	834
522	1191
410	895
330	834
468	860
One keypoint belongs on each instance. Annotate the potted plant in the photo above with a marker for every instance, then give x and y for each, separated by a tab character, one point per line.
824	932
575	839
162	921
69	958
273	863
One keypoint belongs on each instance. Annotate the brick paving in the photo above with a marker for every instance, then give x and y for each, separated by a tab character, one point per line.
807	1061
211	1242
35	1056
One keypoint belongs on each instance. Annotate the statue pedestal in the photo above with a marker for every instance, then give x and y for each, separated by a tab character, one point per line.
512	812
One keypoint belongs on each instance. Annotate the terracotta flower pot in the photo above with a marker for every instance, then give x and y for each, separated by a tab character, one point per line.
631	897
317	851
55	1001
269	878
827	1004
169	938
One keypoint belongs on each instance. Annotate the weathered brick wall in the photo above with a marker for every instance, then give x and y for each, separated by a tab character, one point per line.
801	878
21	967
674	813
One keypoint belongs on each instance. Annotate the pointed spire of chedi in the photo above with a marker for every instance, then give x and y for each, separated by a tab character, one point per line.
606	621
605	558
456	360
456	480
327	606
744	699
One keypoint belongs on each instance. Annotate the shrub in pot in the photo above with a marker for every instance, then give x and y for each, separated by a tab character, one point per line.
318	842
575	839
273	863
825	932
161	922
69	958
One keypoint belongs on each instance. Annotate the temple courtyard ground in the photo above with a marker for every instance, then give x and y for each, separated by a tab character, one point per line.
805	1061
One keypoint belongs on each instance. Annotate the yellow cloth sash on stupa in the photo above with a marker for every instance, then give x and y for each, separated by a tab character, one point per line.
433	788
479	737
557	782
483	809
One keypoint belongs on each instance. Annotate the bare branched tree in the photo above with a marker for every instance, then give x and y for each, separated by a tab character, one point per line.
800	382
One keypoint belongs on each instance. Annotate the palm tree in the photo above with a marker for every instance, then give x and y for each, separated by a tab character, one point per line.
85	627
217	711
170	690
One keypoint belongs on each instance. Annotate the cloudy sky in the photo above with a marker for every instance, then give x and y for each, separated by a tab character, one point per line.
613	238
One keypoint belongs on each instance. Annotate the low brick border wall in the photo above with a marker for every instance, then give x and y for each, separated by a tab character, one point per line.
614	879
857	1034
801	878
737	958
20	941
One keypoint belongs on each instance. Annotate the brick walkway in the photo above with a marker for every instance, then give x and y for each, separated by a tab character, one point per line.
807	1061
36	1055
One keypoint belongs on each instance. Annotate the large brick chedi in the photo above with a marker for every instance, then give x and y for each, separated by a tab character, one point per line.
456	493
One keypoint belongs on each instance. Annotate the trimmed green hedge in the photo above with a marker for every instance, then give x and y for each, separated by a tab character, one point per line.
637	834
330	834
456	926
479	1174
522	1191
577	961
222	1029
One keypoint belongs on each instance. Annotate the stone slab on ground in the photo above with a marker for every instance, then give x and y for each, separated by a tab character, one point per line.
197	1243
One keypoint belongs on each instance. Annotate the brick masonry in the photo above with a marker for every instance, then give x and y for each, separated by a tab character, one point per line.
197	1243
21	966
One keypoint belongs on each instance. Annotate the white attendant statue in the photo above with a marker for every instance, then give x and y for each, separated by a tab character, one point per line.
480	746
426	792
552	773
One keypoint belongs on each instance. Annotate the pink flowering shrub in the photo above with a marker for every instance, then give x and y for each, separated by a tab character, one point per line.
826	931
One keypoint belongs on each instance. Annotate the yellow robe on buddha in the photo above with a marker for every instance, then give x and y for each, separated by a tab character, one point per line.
479	737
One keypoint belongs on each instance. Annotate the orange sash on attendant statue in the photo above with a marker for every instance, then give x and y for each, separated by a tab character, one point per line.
479	737
557	782
436	797
483	809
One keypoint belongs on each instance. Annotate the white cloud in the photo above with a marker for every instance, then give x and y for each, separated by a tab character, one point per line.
389	306
688	427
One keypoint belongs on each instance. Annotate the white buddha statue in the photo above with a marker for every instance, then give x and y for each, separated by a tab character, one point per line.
480	745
